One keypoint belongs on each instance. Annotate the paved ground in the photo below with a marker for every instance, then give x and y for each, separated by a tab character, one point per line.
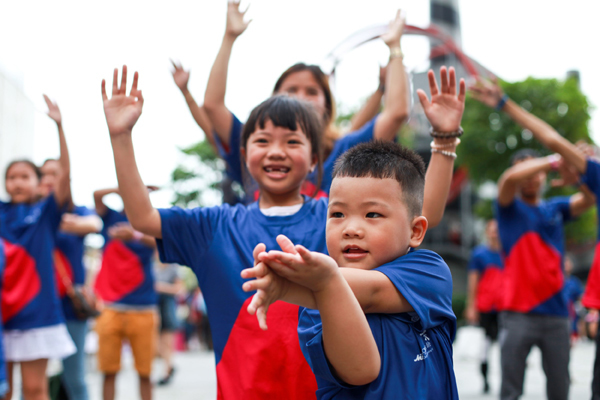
195	377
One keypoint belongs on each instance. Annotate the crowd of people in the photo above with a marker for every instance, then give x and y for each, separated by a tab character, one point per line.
312	282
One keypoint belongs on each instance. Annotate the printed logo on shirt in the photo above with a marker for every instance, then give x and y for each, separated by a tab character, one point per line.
33	217
427	348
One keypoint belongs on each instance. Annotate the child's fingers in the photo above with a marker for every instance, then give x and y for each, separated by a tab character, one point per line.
104	96
115	87
304	253
444	79
423	99
261	315
462	90
452	81
48	101
135	83
433	87
123	88
286	244
260	248
290	260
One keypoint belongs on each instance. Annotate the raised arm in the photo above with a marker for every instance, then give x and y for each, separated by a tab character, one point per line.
62	193
372	106
214	98
444	113
122	112
395	108
490	94
181	78
509	181
101	208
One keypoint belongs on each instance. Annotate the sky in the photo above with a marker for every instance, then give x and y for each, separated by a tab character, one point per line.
66	48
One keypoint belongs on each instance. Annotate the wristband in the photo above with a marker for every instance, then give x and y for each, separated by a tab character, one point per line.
446	135
137	236
554	160
502	102
396	52
440	146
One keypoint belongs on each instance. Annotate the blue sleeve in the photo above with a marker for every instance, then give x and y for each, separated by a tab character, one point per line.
83	211
592	177
476	263
362	135
186	234
53	211
111	217
563	206
424	279
233	156
310	334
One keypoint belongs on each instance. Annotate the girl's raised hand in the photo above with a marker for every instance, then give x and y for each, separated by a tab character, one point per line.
180	76
235	19
487	92
122	111
395	29
445	110
53	110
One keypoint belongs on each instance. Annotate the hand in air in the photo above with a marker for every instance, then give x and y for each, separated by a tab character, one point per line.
121	231
445	110
568	174
122	111
269	287
307	268
180	76
487	92
53	110
235	19
395	29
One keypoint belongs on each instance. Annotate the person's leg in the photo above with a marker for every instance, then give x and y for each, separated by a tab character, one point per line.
485	321
108	386
9	376
516	339
34	381
596	379
141	333
109	327
555	347
73	376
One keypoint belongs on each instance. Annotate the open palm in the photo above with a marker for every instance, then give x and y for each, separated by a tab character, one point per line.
122	111
235	19
446	108
53	110
395	29
180	76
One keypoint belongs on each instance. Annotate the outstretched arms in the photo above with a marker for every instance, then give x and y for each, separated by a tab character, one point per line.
122	112
63	187
490	94
181	78
444	113
372	106
395	109
214	98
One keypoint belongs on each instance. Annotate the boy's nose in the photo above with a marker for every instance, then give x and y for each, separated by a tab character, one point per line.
352	231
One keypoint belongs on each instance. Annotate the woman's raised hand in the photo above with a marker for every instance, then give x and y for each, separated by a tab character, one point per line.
487	92
395	29
180	76
53	110
445	109
122	111
235	19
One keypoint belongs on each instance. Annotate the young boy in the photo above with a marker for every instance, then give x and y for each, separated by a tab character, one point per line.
374	222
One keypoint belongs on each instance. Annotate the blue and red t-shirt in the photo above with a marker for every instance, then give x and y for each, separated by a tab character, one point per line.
233	159
217	243
3	382
488	263
126	277
29	298
415	347
533	242
69	252
591	297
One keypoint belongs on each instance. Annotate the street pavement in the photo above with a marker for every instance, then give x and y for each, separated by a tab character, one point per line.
195	373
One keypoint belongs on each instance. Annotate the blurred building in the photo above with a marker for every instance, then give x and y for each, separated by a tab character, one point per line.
16	124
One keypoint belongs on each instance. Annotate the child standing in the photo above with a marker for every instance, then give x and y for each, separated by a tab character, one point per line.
281	146
374	223
3	382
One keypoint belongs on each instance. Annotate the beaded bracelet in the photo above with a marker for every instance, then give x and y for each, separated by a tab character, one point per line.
444	152
502	102
446	135
440	146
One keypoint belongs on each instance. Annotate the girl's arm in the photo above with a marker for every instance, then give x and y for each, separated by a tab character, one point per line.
490	94
214	98
372	106
62	194
101	208
444	113
471	313
509	181
122	112
181	78
80	225
395	109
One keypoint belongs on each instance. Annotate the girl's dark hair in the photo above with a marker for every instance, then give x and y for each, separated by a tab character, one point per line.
330	133
381	159
35	168
523	154
290	113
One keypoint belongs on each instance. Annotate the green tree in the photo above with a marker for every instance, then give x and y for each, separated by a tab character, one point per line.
491	137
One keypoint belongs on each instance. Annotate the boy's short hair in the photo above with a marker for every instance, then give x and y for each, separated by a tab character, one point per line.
381	159
523	154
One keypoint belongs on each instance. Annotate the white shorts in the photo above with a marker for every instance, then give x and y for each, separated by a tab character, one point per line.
38	343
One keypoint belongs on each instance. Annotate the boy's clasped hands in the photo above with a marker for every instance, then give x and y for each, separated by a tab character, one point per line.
278	273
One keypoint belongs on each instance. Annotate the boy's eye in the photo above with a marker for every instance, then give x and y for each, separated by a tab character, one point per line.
336	215
374	215
294	141
260	140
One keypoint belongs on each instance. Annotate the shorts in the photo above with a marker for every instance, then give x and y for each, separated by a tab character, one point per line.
138	327
168	313
489	323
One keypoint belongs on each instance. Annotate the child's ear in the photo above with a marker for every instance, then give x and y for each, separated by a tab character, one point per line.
418	229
